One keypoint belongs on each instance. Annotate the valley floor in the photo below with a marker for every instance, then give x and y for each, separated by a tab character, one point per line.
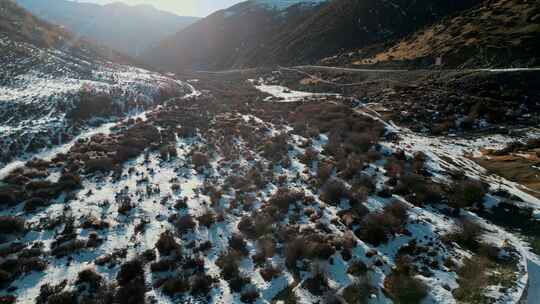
265	186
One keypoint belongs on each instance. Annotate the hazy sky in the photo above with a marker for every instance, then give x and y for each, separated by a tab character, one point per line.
199	8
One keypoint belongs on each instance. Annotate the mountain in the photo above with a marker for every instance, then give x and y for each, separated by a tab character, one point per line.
225	38
268	32
54	85
125	28
494	34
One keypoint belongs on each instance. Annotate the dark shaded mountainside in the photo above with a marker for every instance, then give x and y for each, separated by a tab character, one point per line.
253	34
499	33
125	28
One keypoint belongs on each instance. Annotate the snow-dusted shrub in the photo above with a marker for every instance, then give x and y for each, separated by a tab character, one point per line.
377	227
250	295
92	105
320	249
90	277
294	251
207	219
201	284
129	271
124	205
68	248
200	160
213	192
351	166
284	198
333	191
164	265
270	271
404	288
310	155
12	224
394	167
276	148
358	292
317	283
173	286
257	225
166	244
184	223
324	171
468	235
238	243
266	248
466	193
360	142
229	263
473	278
102	164
333	147
357	268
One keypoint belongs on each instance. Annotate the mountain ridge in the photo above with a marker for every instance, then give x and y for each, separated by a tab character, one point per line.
116	25
295	34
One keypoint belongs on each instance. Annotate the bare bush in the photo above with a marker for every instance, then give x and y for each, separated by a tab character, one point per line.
333	191
378	227
166	244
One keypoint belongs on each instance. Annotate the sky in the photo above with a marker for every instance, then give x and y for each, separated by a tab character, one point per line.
199	8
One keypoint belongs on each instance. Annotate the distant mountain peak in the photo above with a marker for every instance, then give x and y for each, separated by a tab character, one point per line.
123	27
284	4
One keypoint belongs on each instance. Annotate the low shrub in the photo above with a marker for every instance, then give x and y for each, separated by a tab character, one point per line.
201	284
294	251
276	148
250	295
317	284
324	171
12	224
404	288
270	272
130	271
468	235
90	277
472	279
163	265
284	198
184	223
35	203
378	227
333	191
238	243
207	219
467	193
229	263
310	155
358	292
173	286
166	244
200	160
357	268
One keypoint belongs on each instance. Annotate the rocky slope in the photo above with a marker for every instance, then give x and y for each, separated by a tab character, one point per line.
125	28
498	33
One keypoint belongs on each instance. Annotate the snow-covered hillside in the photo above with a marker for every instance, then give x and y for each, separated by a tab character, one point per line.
45	91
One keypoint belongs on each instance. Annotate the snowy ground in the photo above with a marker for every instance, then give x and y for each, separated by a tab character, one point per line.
154	186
